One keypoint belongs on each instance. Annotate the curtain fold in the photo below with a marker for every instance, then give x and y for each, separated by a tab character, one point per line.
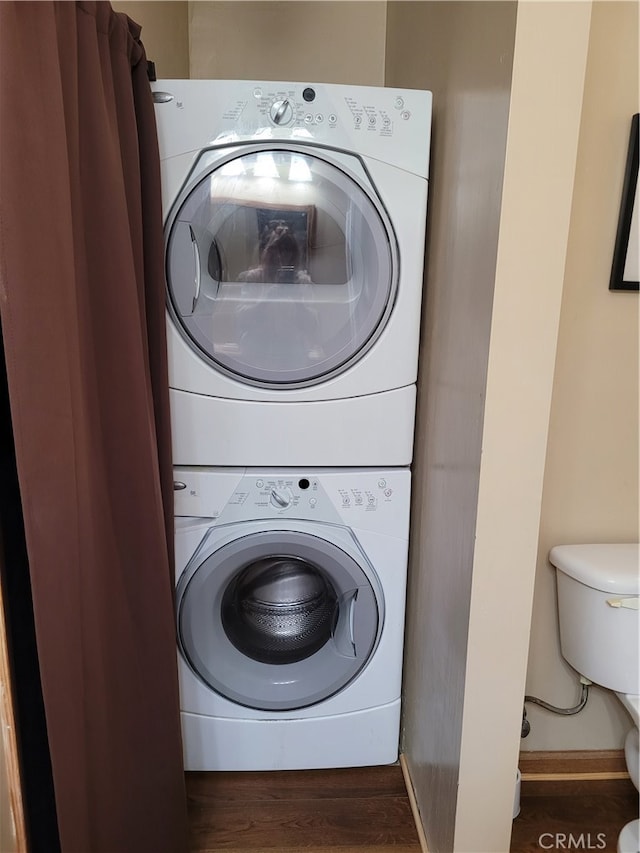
82	312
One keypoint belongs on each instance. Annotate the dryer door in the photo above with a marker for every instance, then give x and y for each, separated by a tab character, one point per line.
277	619
281	264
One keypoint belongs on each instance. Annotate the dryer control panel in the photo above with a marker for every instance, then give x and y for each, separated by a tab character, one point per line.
362	498
392	125
311	108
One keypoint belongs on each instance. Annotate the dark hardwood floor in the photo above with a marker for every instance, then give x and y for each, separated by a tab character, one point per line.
367	810
360	810
592	814
582	805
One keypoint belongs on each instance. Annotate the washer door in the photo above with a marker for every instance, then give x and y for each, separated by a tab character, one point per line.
281	264
277	619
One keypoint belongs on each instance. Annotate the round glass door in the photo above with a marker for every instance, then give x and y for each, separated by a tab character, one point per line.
277	620
281	267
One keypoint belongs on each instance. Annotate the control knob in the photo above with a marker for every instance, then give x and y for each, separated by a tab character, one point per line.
281	112
280	498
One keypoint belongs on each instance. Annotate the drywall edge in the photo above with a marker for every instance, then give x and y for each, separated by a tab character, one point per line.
546	101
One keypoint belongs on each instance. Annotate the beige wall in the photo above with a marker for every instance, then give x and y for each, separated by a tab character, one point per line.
335	41
546	99
165	33
479	474
463	52
591	477
321	42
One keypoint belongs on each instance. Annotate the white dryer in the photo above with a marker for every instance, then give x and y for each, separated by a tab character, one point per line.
295	221
290	604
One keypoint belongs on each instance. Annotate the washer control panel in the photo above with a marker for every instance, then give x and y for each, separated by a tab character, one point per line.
378	500
284	494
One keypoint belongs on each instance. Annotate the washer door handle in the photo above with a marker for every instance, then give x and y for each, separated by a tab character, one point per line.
343	632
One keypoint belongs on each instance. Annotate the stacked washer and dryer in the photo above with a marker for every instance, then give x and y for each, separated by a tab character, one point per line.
294	220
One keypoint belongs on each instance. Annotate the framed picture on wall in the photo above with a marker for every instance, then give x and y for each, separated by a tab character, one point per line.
625	270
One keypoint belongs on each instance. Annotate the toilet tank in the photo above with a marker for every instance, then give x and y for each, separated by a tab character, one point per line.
598	585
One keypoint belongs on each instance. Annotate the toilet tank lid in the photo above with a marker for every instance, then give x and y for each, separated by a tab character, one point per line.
609	568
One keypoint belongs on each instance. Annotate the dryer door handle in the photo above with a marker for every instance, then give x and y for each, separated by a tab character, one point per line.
343	631
196	263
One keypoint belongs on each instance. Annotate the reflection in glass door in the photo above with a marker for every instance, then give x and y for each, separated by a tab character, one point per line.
281	267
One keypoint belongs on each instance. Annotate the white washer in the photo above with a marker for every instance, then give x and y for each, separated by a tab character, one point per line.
295	223
290	605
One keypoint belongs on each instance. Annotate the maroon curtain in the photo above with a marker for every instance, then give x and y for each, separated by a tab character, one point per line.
82	311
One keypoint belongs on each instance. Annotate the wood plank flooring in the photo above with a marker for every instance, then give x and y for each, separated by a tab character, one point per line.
590	798
359	810
367	810
593	815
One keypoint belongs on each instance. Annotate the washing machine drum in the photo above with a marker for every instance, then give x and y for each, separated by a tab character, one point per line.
281	265
279	610
277	619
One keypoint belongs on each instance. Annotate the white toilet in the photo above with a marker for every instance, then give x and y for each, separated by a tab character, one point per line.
598	589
